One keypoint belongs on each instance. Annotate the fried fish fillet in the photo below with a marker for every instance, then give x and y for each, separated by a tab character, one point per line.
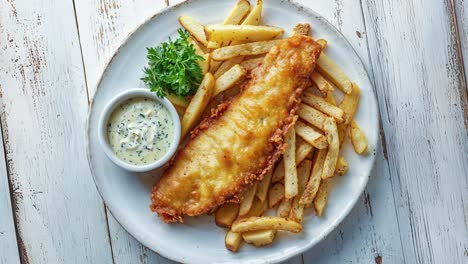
242	139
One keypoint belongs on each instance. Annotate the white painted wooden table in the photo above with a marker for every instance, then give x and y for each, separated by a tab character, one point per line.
414	210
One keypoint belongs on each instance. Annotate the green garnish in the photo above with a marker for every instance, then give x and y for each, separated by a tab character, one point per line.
173	67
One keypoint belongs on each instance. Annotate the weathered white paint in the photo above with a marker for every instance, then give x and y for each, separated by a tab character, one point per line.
8	244
60	217
422	94
421	91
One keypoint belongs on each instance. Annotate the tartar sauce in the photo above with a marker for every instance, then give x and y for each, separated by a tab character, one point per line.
140	131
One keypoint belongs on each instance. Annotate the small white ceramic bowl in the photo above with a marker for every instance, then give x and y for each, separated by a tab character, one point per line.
119	99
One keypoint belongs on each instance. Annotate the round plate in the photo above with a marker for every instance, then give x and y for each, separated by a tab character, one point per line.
199	240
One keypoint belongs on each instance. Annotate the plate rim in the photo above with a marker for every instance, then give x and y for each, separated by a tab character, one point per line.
295	252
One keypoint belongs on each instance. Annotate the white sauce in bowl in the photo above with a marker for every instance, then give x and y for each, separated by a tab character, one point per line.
140	131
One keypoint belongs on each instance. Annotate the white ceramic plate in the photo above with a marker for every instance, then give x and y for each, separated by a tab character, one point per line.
199	240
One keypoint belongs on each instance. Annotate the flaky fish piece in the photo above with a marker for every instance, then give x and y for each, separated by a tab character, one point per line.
242	139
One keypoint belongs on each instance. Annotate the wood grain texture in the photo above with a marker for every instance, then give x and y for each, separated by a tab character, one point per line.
43	106
371	229
421	91
103	25
8	244
460	17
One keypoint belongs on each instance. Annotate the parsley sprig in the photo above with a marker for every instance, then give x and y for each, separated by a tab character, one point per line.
173	67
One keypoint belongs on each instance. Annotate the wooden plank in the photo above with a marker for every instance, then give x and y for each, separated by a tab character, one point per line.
59	215
103	25
460	16
371	230
8	244
421	91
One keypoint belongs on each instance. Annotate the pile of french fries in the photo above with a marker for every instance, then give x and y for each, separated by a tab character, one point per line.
304	175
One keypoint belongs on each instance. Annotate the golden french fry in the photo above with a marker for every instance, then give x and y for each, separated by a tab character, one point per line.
331	99
278	173
303	149
262	189
229	79
252	63
322	105
323	43
320	200
358	138
177	101
205	63
226	65
247	200
257	209
350	103
311	135
220	33
226	214
195	29
198	103
321	83
199	49
341	166
259	238
232	241
289	159
331	71
275	195
180	111
265	223
312	116
236	15
303	174
313	184
284	208
301	29
333	149
253	48
254	18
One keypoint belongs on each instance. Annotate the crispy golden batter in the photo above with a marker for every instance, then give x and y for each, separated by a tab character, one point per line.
242	139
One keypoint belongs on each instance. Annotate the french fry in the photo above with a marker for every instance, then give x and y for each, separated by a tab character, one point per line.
257	209
331	99
180	111
220	33
262	189
320	200
247	200
235	16
358	138
311	135
329	165
229	79
259	238
232	241
341	166
323	43
278	173
331	71
253	48
253	18
198	103
199	49
289	159
303	174
303	149
322	105
265	223
252	63
312	116
275	195
177	101
205	63
226	65
195	29
301	29
350	103
322	84
313	184
226	214
284	208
